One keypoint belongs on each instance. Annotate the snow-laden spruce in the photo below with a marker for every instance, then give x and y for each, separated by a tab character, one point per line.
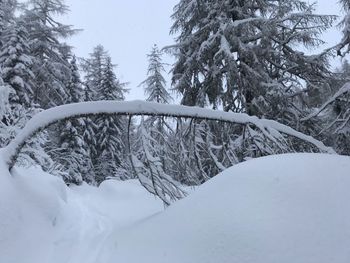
155	83
51	66
345	41
247	56
104	136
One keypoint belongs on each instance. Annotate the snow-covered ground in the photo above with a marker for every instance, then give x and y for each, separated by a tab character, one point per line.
43	221
287	208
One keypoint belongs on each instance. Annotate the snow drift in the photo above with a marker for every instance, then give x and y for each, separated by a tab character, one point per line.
44	221
286	208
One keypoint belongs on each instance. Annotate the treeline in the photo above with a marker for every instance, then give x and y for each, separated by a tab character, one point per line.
240	56
38	71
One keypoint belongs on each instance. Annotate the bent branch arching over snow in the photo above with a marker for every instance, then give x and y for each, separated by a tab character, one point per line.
271	129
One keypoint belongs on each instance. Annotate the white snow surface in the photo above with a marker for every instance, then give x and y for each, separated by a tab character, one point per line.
44	221
291	208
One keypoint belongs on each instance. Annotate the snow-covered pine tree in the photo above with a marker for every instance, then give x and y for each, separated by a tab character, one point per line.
17	62
343	47
111	88
331	114
2	19
155	90
16	77
4	112
74	151
154	84
7	10
74	88
341	106
93	67
51	66
244	55
111	130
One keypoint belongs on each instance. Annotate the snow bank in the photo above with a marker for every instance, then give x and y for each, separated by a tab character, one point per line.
290	208
287	208
29	209
44	221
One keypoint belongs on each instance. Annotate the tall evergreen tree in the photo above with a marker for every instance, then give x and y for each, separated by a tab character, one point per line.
345	41
17	91
75	153
74	88
93	74
93	67
7	10
243	55
110	87
51	66
110	129
333	125
155	90
4	112
17	63
155	83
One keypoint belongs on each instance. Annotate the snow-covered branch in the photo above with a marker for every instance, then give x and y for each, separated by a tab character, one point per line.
271	129
340	92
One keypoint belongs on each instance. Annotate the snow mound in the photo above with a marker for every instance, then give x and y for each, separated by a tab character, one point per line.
44	221
287	208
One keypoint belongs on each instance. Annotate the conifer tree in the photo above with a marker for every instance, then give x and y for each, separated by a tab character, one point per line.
17	63
4	112
110	129
7	9
110	87
243	55
345	41
76	153
155	90
74	87
155	83
333	125
93	67
51	66
93	71
17	88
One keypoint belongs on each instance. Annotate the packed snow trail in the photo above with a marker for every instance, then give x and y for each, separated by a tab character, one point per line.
287	208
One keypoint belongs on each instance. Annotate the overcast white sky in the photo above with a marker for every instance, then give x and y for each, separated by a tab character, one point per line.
128	30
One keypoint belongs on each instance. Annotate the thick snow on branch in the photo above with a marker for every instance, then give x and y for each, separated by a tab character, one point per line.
340	92
53	115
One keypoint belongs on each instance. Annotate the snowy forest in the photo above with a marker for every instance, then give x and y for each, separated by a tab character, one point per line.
245	83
